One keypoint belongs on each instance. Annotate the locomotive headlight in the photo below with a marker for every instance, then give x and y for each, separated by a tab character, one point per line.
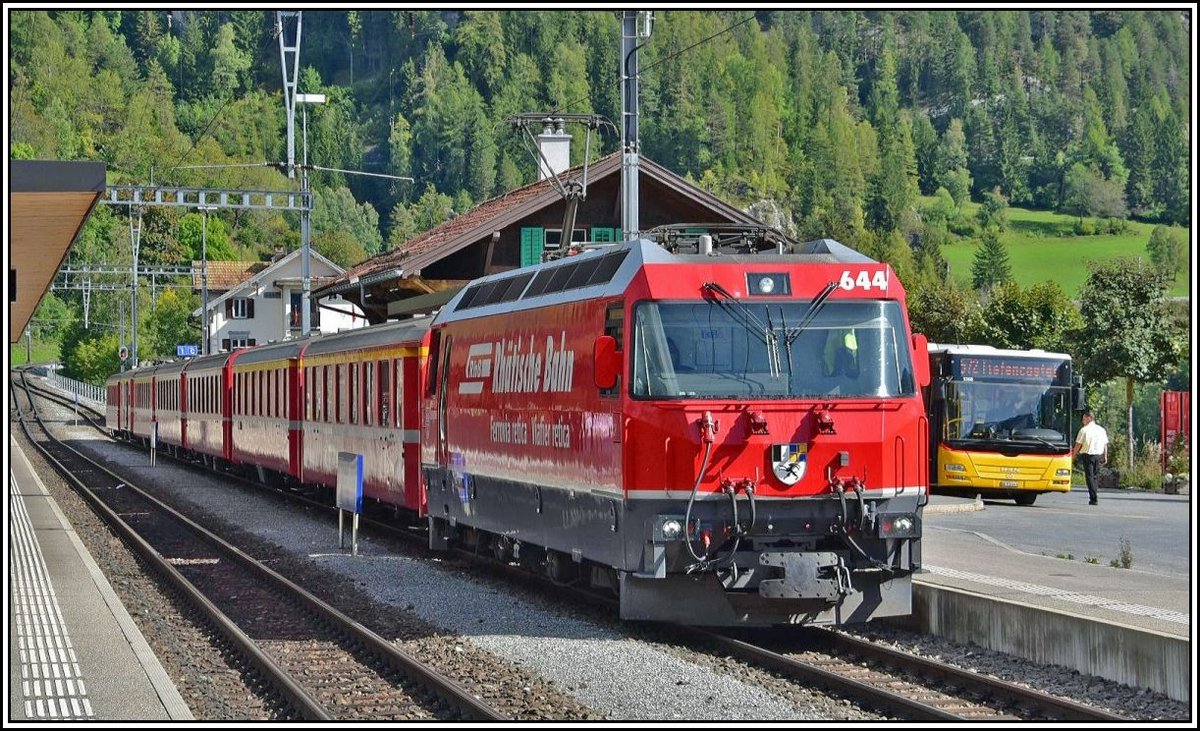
1062	473
898	525
672	529
768	283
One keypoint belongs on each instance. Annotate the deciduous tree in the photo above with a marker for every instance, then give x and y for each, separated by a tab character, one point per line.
1127	328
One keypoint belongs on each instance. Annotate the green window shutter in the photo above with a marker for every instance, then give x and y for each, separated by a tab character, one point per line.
601	234
532	243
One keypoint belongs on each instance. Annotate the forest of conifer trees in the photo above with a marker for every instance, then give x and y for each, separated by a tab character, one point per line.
849	121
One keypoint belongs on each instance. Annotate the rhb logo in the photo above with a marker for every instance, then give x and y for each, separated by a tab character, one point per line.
518	366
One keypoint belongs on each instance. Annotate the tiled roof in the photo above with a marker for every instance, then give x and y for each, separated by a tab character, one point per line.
225	275
483	213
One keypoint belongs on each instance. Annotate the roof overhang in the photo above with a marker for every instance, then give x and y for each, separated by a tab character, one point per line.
421	303
48	203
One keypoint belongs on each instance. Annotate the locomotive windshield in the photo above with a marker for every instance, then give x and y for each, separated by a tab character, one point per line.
717	349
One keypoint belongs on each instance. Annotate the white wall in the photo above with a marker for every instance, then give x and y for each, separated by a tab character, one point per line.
271	315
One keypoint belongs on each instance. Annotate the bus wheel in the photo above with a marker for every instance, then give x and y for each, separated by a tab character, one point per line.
1026	498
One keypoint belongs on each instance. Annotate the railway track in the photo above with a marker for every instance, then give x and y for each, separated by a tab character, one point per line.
894	682
322	664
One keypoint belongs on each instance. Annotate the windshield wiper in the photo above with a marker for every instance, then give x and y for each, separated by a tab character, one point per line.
1047	442
787	346
817	303
740	312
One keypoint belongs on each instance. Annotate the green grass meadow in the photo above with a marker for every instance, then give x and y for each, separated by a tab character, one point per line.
41	352
1042	246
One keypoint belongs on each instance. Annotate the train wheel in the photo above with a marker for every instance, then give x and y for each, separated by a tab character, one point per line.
502	548
561	568
1025	498
531	557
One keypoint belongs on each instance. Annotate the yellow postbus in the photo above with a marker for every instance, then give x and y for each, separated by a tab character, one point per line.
1001	422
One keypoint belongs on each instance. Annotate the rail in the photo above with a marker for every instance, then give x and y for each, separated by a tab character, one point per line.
86	391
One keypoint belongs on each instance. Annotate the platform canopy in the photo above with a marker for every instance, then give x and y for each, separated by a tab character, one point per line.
48	203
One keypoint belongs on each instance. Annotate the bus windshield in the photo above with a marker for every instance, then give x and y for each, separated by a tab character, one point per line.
978	412
722	349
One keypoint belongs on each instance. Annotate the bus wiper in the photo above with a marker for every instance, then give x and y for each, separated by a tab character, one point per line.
817	303
1047	442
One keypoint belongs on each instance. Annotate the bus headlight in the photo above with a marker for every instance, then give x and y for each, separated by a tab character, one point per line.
1062	473
956	467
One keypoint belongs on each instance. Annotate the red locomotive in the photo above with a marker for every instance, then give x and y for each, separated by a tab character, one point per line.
723	440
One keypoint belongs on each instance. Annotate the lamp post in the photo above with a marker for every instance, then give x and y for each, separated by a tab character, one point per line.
204	272
305	220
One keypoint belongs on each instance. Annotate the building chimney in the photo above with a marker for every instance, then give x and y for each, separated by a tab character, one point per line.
555	146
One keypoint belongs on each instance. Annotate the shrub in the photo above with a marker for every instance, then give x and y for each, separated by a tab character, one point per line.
1145	470
1084	228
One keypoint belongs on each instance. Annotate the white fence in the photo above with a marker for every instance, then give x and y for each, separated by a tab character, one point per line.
85	391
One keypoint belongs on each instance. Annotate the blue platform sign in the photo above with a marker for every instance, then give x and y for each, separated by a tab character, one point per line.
187	351
350	482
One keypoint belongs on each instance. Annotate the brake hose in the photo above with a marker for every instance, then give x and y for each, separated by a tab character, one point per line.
844	534
687	519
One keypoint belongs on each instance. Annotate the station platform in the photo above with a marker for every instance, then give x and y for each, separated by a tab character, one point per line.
1130	626
74	652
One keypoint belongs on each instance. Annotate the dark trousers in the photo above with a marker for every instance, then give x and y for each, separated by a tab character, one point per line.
1091	463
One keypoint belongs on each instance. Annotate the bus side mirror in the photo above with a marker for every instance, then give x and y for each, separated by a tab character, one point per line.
920	353
1079	398
606	362
939	390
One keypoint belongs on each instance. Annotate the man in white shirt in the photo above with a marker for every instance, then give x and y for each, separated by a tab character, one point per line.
1092	447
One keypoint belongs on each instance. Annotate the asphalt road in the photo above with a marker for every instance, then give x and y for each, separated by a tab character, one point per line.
1159	528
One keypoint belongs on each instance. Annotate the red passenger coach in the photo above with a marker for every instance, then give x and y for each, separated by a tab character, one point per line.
207	382
168	379
360	394
265	407
725	440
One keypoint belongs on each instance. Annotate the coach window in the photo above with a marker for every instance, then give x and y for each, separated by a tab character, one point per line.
323	395
368	393
338	396
322	398
397	391
434	358
353	404
385	391
314	393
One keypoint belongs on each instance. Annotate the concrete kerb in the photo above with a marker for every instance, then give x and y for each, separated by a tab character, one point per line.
958	506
